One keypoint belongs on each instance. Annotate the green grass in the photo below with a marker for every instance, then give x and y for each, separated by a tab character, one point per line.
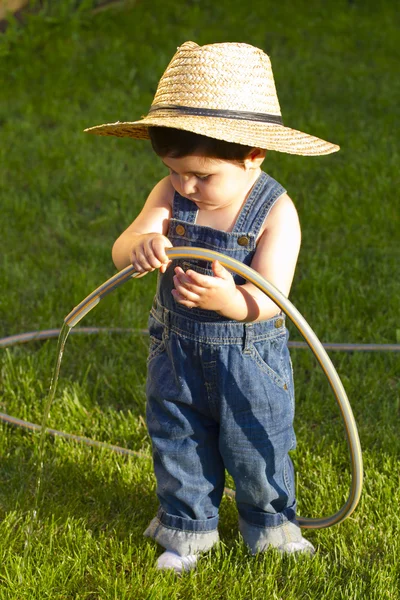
66	196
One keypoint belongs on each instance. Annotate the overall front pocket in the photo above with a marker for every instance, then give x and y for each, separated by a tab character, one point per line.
200	266
271	356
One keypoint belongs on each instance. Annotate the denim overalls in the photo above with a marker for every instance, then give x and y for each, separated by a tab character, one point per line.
219	396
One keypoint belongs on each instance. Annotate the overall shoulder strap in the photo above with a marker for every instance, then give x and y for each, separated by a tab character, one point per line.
183	209
263	196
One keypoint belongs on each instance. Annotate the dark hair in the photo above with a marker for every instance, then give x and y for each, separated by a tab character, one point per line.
177	143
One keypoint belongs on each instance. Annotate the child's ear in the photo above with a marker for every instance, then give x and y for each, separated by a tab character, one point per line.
255	158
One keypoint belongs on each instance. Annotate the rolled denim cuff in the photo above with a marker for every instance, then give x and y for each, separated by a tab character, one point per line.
264	519
259	538
181	535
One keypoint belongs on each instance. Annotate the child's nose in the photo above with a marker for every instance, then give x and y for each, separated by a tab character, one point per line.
188	184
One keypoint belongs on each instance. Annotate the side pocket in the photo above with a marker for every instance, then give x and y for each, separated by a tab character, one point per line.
157	338
269	357
156	347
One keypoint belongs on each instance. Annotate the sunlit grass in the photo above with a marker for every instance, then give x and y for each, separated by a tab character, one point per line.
66	196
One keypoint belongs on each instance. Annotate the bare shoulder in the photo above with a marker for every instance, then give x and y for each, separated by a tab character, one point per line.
281	234
282	219
283	210
162	194
279	244
157	209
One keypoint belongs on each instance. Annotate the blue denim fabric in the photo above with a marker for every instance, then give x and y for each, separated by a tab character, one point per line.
219	396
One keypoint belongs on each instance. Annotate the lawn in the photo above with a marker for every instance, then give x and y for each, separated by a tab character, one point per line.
65	196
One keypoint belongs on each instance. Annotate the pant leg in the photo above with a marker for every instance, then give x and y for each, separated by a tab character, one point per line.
187	463
255	439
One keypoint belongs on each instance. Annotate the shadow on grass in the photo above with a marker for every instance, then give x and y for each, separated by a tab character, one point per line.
115	497
71	488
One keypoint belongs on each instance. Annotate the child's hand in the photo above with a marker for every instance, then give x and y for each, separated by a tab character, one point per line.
193	289
148	252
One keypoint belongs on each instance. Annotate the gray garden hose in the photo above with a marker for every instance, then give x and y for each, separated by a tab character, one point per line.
46	334
287	307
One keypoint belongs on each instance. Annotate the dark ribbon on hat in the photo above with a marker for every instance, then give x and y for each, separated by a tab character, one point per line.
215	112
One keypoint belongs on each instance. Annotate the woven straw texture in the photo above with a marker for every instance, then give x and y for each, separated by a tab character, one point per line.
228	76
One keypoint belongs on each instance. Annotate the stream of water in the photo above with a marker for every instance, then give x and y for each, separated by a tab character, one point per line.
33	514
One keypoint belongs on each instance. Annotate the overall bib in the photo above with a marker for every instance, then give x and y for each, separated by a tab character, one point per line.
219	396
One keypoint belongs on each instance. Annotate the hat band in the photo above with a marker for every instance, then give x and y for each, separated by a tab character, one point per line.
222	114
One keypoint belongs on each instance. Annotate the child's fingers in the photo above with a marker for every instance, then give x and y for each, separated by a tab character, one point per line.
186	281
219	270
151	255
140	261
198	279
165	266
158	245
188	291
182	299
146	264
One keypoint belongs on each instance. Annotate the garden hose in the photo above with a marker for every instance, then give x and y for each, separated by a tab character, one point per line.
287	307
75	316
46	334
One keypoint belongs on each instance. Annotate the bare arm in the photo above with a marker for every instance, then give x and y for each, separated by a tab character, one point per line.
275	259
143	242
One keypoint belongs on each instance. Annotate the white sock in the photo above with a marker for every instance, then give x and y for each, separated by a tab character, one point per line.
172	560
303	546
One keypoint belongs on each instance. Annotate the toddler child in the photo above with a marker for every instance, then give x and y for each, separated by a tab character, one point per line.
219	387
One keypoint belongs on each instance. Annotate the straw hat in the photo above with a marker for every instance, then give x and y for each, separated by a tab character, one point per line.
225	91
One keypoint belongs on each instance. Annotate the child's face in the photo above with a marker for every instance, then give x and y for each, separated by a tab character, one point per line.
212	183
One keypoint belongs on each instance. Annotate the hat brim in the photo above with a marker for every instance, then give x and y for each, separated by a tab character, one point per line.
257	134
